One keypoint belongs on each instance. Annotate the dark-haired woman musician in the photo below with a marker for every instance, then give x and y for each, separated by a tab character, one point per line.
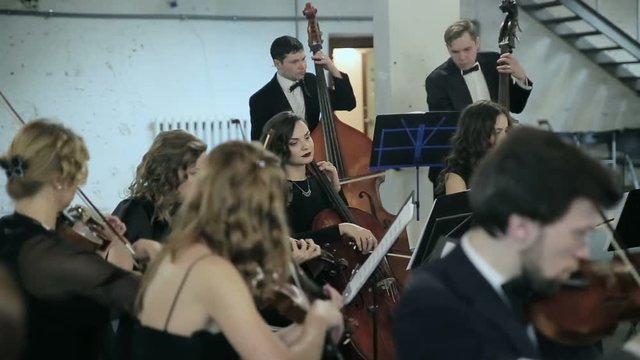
291	141
482	125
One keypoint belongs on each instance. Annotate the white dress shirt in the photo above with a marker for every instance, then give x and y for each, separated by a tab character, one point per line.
295	97
477	84
493	277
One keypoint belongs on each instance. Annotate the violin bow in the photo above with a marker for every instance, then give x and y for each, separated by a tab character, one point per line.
79	191
621	248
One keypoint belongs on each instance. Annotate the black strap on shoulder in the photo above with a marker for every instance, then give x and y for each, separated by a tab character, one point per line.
184	280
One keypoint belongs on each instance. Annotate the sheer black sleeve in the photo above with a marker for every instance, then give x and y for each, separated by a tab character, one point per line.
57	269
138	215
134	214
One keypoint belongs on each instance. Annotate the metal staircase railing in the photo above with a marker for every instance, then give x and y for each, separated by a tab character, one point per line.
593	34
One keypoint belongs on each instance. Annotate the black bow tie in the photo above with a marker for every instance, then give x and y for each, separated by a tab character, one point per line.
475	67
519	294
301	84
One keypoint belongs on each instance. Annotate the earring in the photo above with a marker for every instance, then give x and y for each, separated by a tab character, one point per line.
58	187
258	277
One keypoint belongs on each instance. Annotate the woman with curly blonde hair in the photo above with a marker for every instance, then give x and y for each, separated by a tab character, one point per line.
162	178
68	288
482	125
228	250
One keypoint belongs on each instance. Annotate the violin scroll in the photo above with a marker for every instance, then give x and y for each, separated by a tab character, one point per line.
313	29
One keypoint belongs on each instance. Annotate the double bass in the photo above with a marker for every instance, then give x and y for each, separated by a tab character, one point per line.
369	316
507	42
349	150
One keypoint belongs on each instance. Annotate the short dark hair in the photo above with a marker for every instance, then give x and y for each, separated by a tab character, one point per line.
535	174
283	46
457	30
280	127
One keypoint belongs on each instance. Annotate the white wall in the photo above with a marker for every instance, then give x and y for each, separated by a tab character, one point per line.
109	78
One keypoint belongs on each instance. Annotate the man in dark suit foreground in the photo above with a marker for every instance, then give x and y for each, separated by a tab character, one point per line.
534	201
293	88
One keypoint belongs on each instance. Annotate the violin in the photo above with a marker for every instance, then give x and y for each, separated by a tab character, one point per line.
591	304
76	224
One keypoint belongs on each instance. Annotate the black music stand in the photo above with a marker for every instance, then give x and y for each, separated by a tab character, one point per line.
412	140
627	224
450	217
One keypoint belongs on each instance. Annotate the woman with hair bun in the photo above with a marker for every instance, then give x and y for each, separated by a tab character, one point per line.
68	288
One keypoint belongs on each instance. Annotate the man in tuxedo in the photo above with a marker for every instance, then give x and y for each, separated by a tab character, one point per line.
293	88
534	200
469	75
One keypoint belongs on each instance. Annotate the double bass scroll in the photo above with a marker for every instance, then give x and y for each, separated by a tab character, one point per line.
507	42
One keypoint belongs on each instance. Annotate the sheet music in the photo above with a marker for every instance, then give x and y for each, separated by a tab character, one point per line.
364	272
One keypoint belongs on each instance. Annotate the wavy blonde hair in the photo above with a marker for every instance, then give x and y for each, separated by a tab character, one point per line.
236	207
48	152
163	169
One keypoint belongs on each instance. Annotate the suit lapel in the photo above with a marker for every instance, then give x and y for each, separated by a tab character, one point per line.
478	293
459	90
280	98
311	108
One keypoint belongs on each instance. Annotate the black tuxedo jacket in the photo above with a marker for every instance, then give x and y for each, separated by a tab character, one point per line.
449	311
447	90
270	100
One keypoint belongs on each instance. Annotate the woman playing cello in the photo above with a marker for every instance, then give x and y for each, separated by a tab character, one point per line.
291	141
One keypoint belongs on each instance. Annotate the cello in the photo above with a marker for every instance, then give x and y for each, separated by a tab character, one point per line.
349	150
369	315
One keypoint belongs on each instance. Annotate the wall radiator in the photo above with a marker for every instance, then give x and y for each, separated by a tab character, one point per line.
212	131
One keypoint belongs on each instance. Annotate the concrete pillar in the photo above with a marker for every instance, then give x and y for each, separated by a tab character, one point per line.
408	42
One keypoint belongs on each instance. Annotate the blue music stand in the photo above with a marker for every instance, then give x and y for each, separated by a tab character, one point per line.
413	140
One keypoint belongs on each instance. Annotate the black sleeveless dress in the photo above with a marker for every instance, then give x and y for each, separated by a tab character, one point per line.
152	344
155	344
